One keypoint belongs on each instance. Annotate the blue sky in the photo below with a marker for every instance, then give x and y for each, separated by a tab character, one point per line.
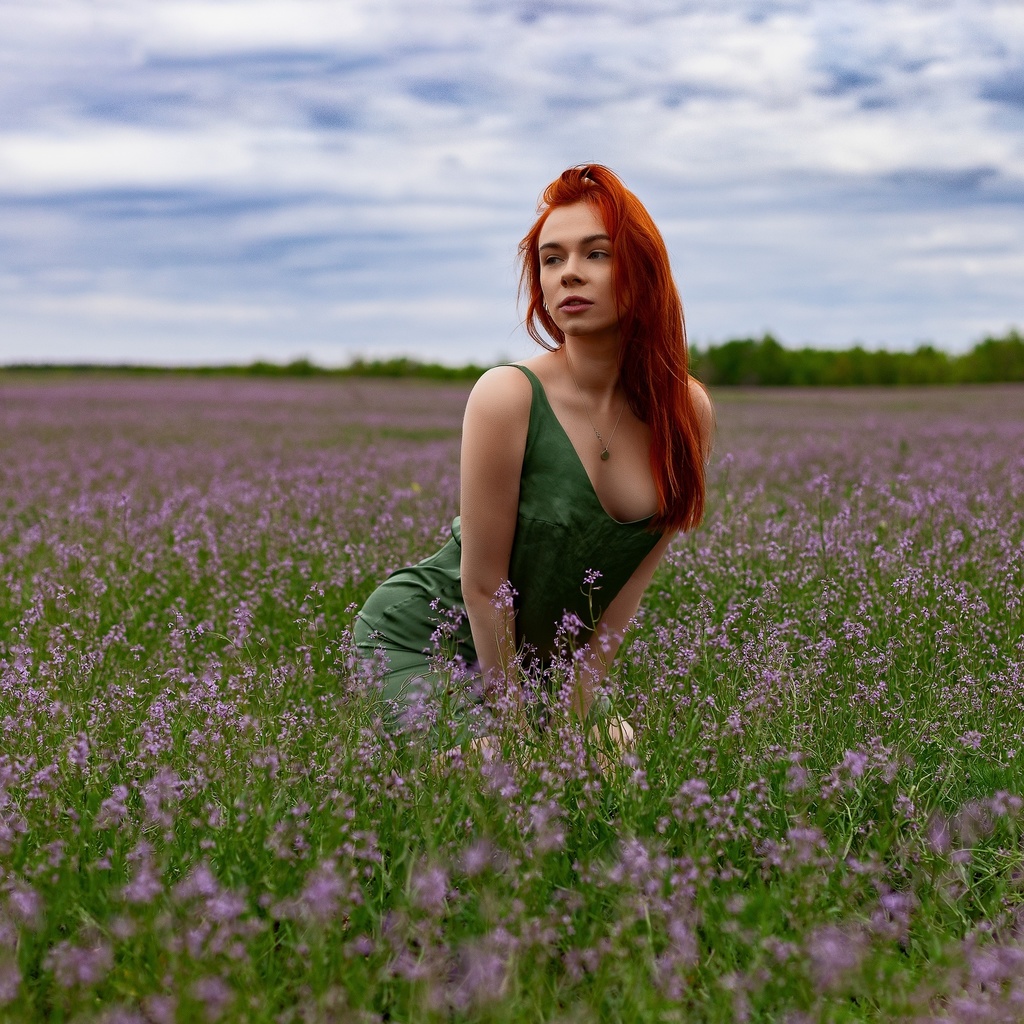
224	180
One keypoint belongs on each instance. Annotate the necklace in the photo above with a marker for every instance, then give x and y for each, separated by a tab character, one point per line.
605	453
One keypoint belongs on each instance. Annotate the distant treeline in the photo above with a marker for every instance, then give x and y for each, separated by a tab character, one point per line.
296	368
743	362
764	361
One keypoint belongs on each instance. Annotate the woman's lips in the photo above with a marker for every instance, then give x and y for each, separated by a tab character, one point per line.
574	305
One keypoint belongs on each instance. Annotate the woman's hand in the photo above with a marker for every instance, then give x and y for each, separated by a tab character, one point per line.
616	732
620	735
620	732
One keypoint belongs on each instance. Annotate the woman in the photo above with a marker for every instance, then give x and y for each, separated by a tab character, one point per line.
578	465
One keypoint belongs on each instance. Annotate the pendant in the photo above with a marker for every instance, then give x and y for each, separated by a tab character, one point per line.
605	455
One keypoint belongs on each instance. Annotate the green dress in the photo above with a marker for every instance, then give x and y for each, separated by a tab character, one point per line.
563	537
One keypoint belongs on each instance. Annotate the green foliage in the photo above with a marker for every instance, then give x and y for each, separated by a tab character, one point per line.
745	362
752	362
384	368
994	359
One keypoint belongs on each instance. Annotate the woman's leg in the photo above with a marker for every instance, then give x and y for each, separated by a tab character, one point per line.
415	697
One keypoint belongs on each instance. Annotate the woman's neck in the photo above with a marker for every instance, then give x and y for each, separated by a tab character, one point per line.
593	364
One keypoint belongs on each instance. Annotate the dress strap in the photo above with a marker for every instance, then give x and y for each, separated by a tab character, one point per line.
538	405
532	377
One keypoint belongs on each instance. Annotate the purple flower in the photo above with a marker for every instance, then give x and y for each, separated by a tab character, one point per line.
972	739
113	809
78	754
892	917
80	964
322	896
834	955
545	824
477	857
498	775
24	904
361	945
854	763
10	981
161	1009
937	834
430	889
199	882
215	994
160	794
145	884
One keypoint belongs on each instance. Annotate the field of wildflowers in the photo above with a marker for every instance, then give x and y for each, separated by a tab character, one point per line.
200	818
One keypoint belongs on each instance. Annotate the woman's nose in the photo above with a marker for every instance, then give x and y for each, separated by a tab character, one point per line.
570	271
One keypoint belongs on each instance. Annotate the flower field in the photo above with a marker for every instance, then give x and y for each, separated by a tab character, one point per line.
202	820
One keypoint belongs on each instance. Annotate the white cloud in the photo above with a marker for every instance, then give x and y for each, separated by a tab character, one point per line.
204	156
147	309
239	26
119	157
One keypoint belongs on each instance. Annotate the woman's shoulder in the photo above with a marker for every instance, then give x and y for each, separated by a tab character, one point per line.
502	394
700	398
702	404
505	384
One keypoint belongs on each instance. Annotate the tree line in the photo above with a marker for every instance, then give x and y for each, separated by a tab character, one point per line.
764	362
743	362
399	367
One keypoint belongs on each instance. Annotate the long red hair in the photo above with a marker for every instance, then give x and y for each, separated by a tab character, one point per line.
652	359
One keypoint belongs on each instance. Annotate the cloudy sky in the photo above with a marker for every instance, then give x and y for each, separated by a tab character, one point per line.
224	180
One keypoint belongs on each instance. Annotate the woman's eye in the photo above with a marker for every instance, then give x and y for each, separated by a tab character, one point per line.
598	254
550	261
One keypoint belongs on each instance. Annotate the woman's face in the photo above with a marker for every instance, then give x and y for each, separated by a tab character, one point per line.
575	255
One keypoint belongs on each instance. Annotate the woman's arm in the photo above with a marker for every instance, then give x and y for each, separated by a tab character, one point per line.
604	642
493	443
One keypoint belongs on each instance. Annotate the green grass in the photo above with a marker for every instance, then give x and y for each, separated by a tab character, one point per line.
201	817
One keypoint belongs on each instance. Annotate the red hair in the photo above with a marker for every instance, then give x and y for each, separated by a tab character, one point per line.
652	358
